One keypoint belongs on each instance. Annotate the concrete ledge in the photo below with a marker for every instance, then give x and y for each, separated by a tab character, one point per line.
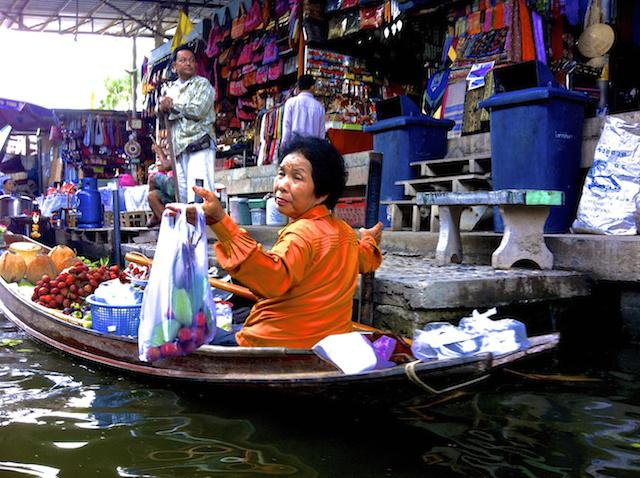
258	180
610	258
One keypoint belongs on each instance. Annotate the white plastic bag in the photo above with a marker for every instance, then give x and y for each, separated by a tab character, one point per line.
611	193
178	312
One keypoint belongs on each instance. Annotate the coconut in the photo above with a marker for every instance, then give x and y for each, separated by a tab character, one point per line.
12	267
40	266
62	256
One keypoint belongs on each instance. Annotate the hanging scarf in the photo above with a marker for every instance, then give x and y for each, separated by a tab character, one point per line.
434	92
88	134
538	37
99	132
528	46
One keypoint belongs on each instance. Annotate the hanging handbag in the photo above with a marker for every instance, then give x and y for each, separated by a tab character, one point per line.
237	24
244	115
371	17
270	51
266	13
249	79
275	70
281	7
213	47
253	18
262	75
237	88
223	58
246	54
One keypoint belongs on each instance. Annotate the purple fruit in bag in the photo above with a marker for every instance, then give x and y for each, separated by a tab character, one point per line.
183	268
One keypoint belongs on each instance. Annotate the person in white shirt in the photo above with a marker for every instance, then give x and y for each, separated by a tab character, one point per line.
303	114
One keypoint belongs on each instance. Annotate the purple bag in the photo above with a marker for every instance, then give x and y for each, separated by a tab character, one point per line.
246	54
213	49
262	75
254	17
275	70
270	51
281	7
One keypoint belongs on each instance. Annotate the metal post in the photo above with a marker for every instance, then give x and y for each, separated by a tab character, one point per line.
372	206
117	253
134	82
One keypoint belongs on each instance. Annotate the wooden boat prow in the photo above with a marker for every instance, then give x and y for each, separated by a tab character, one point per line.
268	368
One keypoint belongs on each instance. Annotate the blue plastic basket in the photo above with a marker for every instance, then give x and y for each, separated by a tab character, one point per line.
116	320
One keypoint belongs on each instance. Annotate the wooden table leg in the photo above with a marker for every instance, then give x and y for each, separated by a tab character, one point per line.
523	237
449	248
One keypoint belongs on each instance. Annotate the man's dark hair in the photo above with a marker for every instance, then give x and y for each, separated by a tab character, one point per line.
305	82
327	165
185	46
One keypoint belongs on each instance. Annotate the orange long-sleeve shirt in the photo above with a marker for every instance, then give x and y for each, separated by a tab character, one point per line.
305	282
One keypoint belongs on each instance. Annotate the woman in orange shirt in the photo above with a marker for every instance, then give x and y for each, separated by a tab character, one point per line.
306	281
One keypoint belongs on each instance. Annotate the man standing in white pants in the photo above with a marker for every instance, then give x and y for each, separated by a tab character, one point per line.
188	102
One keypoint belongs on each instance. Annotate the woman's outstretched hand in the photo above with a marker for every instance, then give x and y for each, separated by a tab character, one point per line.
213	210
375	232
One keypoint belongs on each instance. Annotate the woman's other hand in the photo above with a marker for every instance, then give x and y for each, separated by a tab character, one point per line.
375	232
213	210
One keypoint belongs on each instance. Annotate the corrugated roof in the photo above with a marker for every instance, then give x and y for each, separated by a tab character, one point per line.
142	18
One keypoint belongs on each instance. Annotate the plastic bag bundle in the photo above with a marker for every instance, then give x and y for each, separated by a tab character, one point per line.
178	312
610	198
474	335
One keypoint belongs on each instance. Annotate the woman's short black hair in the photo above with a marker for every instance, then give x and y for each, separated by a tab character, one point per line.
327	165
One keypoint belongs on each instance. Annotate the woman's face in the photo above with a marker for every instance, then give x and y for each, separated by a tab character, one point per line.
294	188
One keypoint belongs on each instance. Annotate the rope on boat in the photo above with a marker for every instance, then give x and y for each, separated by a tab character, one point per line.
410	371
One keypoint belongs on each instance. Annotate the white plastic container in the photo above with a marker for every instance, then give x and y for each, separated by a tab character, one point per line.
258	217
274	218
240	211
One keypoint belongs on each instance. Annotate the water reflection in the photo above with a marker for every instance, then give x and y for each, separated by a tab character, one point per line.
534	434
63	419
60	419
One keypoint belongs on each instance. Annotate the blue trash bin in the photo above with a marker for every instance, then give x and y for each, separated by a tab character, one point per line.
403	140
536	143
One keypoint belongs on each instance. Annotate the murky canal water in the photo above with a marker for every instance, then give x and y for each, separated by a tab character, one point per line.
59	418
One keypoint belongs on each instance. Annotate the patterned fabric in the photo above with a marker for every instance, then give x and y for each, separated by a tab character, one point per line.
193	114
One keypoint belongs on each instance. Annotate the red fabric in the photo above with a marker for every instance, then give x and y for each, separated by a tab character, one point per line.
528	44
347	142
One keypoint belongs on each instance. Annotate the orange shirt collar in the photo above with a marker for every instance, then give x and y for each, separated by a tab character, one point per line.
315	212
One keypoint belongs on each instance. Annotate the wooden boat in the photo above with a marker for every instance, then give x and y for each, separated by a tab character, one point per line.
263	368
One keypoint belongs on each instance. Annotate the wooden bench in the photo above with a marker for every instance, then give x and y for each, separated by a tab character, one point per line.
524	213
